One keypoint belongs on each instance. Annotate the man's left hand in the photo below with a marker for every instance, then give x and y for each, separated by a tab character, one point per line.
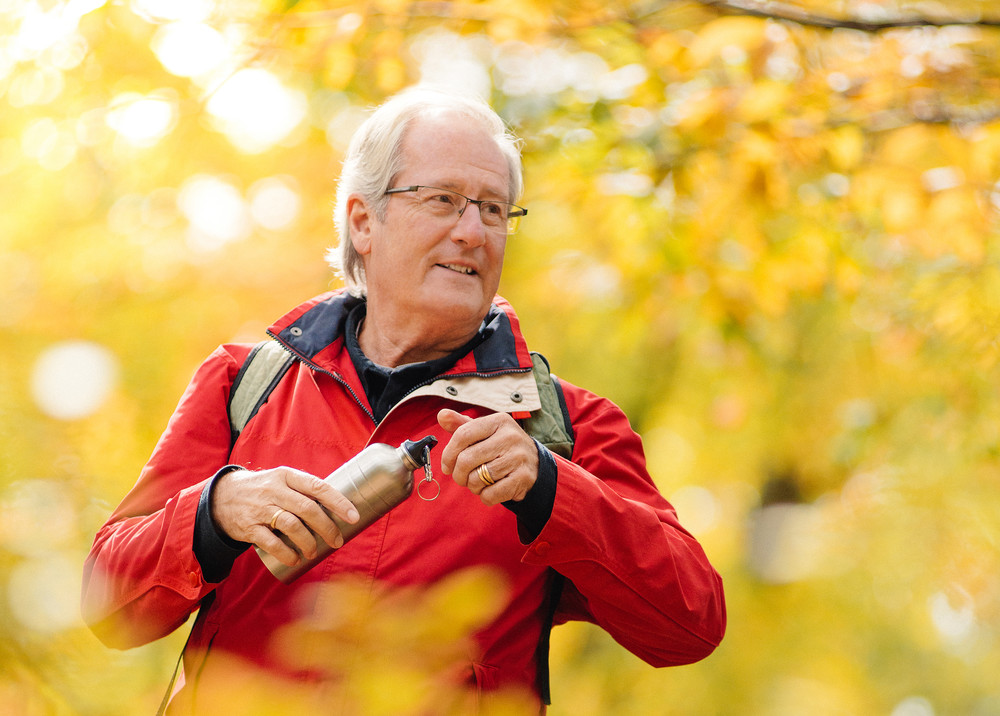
499	443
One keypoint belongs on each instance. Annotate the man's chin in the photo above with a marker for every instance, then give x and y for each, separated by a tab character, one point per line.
458	307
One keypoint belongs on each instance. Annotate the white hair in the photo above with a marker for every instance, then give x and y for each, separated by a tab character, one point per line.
374	158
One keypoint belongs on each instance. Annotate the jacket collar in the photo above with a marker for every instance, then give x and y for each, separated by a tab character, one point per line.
314	331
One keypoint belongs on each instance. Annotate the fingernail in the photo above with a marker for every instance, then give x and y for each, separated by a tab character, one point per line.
338	542
352	515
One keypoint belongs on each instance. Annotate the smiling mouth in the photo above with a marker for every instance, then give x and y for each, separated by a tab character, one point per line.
459	269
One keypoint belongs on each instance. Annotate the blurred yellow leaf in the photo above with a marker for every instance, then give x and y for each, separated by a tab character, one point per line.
911	146
390	74
763	101
340	65
903	205
846	146
744	33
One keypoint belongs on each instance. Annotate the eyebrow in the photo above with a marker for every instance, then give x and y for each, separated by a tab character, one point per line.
491	195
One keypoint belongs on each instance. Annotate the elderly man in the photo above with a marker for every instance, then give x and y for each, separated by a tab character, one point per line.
418	344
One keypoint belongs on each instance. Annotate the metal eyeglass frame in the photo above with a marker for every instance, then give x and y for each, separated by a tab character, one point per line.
513	214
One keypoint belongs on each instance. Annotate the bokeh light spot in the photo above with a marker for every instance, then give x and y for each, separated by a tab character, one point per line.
43	593
51	145
72	379
171	10
255	110
275	202
37	517
697	508
142	120
914	706
216	211
953	615
190	49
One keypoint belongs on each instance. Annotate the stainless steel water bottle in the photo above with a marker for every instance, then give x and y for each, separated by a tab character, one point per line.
375	480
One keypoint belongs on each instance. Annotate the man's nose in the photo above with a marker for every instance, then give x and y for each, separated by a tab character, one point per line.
470	228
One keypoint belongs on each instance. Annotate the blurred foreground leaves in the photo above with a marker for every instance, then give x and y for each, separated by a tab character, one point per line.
774	245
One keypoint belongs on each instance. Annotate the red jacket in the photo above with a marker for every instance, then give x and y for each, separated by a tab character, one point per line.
631	567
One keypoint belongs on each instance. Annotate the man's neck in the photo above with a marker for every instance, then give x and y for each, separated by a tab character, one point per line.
393	344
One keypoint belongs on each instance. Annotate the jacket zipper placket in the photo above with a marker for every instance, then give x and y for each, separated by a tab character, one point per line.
369	413
324	371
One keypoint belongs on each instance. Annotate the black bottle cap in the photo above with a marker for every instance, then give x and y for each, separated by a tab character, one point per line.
415	448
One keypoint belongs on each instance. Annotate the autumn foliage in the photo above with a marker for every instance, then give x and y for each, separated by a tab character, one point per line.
774	244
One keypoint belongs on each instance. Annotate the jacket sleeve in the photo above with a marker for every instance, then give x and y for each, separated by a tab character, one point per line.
631	567
141	579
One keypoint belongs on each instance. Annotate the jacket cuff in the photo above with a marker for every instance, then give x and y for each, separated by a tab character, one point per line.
215	551
534	510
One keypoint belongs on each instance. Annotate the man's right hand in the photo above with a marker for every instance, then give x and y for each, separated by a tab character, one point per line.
245	503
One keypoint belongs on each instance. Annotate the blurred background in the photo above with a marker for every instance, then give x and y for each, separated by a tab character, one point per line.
769	231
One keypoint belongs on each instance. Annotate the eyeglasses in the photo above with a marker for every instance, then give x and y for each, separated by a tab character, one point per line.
497	216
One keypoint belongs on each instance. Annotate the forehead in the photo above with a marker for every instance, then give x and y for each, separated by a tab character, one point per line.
449	149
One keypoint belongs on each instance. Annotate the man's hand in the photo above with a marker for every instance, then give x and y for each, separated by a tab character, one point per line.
246	504
499	443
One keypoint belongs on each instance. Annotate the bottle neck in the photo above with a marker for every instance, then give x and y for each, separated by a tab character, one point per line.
408	462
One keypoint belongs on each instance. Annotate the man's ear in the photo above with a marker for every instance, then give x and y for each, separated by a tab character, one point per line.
360	220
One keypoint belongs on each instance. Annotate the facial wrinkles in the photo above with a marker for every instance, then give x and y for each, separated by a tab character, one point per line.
461	158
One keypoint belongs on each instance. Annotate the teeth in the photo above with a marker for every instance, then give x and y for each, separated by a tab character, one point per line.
460	269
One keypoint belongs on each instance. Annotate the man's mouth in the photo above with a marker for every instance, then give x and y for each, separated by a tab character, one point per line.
460	269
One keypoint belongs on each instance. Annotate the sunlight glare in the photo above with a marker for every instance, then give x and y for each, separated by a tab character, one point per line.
190	49
42	29
173	10
455	62
255	110
142	119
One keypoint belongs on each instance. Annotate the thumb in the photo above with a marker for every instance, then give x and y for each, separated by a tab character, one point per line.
451	420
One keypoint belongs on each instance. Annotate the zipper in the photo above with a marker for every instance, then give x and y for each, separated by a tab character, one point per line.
337	377
324	371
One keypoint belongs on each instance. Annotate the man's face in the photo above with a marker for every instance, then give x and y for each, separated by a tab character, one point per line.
419	265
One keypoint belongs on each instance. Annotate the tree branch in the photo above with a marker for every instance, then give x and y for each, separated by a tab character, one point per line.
784	11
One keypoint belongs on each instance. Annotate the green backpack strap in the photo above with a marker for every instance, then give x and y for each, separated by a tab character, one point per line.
551	425
260	374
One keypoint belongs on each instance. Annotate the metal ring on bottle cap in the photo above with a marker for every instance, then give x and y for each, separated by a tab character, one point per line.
423	482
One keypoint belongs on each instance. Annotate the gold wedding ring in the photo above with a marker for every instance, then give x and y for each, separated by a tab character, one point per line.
484	474
275	519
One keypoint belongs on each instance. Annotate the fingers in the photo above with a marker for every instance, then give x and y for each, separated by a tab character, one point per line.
281	510
495	441
451	420
280	546
320	491
467	434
